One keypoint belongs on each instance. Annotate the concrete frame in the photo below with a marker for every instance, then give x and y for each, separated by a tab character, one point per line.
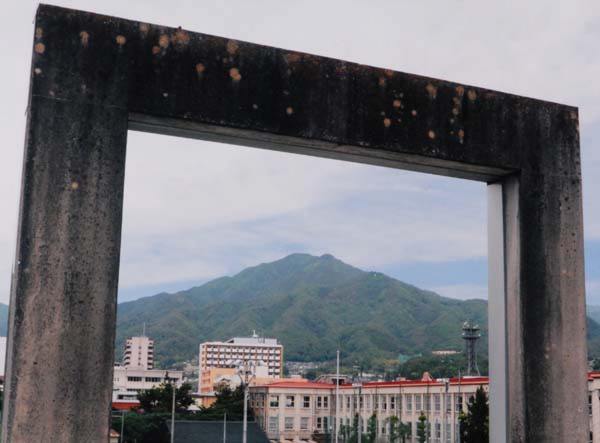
94	77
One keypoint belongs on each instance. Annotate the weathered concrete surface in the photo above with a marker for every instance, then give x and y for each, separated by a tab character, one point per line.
63	301
170	80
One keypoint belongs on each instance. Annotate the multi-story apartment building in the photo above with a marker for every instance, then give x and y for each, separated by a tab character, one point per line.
138	352
242	349
299	411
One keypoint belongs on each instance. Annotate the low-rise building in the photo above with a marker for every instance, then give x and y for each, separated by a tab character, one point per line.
127	382
303	411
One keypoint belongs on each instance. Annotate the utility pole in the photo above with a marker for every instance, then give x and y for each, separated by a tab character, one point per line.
122	425
244	367
337	398
174	388
225	428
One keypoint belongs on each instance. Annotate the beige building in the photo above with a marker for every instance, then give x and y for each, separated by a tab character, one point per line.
301	411
242	349
213	377
138	352
127	382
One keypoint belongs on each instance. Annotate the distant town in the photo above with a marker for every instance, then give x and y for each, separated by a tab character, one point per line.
331	407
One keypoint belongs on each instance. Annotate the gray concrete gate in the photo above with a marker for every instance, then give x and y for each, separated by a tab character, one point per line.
95	77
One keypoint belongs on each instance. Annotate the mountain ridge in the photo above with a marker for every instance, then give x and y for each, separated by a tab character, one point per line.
313	305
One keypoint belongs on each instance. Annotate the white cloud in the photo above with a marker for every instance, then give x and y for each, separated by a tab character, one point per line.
592	288
462	291
534	48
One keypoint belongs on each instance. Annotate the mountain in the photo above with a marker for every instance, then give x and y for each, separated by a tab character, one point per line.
3	319
313	305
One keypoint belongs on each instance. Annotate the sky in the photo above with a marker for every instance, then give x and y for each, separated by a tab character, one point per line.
197	210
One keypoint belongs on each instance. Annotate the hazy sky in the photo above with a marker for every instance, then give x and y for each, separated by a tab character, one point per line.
187	221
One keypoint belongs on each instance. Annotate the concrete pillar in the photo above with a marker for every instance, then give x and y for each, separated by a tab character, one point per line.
64	293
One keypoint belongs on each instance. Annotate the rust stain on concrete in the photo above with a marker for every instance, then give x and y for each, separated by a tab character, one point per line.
84	38
232	47
431	90
234	73
163	41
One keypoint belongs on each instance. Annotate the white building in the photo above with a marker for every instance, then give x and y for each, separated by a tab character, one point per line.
127	382
138	352
2	355
242	349
137	373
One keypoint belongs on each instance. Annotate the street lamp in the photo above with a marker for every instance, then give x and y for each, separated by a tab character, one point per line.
243	369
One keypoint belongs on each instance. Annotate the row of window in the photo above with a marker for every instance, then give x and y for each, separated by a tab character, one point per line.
322	423
322	402
146	379
409	402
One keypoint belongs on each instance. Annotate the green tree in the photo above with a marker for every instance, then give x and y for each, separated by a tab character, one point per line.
403	431
147	428
475	424
228	401
159	399
422	428
371	429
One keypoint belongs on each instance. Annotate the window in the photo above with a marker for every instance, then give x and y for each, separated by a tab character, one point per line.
153	379
384	402
134	378
319	423
590	404
392	402
376	401
325	402
306	401
409	402
437	403
290	401
438	431
348	398
361	402
273	424
304	423
418	402
322	402
274	401
289	423
427	401
459	403
448	432
325	423
448	403
319	401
